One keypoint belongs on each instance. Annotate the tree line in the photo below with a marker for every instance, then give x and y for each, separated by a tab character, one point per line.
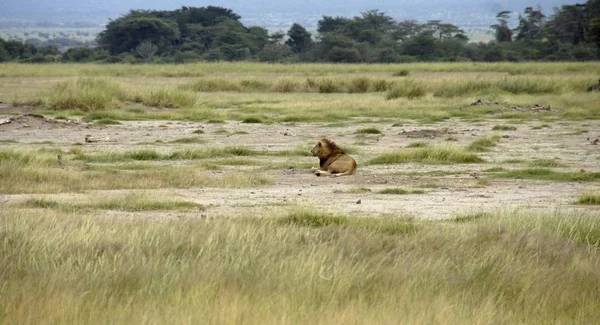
212	33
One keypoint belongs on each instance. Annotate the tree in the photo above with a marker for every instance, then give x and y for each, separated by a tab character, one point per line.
146	50
594	34
444	31
126	34
422	46
329	24
531	24
502	32
299	39
406	29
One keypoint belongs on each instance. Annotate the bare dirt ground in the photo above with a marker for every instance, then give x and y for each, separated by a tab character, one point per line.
449	189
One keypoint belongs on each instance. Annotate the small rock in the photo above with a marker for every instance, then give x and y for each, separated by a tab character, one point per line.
358	202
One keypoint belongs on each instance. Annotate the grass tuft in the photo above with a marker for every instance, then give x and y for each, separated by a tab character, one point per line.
86	94
409	88
368	131
504	128
435	154
484	143
549	175
400	191
590	198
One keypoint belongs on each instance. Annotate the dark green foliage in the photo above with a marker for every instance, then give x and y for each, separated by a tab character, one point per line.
299	39
192	34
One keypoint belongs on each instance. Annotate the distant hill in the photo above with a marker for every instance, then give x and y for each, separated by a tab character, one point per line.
275	13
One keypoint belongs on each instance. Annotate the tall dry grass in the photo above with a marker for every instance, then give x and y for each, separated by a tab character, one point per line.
303	268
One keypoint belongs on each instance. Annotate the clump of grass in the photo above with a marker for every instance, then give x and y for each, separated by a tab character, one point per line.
255	84
527	85
590	198
131	202
409	88
401	73
313	219
451	139
549	175
286	86
86	94
167	98
400	191
470	217
418	144
371	130
199	131
435	154
213	85
359	85
504	128
252	119
459	89
380	85
549	163
484	143
324	85
541	126
106	121
188	140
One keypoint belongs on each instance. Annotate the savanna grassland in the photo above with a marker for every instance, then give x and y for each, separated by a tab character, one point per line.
476	198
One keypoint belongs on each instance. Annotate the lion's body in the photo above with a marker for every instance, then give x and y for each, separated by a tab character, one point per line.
332	160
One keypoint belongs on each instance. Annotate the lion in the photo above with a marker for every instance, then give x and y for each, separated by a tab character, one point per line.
332	160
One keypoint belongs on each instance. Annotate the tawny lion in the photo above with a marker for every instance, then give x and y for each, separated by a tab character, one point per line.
332	160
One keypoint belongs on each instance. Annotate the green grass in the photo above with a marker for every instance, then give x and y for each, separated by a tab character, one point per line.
549	175
401	73
400	191
371	130
484	143
106	121
408	88
541	126
189	140
166	98
548	163
151	154
504	128
435	154
418	144
252	120
129	202
590	198
39	172
86	94
302	268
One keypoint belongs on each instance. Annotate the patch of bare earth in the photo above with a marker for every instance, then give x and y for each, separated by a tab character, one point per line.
448	189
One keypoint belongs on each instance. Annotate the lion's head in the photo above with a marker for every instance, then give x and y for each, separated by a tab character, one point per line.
325	148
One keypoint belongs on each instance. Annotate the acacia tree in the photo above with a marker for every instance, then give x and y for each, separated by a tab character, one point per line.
503	33
531	24
299	39
127	33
